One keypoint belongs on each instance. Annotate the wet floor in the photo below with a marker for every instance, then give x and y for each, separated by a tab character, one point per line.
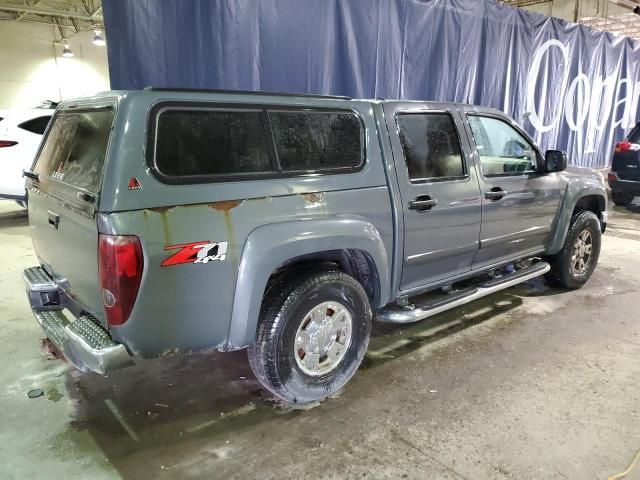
529	383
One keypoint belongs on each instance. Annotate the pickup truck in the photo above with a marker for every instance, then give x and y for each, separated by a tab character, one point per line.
173	221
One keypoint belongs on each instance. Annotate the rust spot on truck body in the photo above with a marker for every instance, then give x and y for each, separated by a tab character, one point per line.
226	205
163	211
313	197
160	209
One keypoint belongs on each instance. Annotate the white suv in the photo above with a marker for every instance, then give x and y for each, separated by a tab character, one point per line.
20	136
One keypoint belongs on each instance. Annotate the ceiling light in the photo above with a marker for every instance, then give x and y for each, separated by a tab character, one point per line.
66	51
98	39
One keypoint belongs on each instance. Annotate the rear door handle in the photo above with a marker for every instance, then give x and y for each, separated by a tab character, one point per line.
495	194
54	219
423	203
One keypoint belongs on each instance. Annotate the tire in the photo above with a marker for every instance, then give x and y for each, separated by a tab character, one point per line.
283	356
566	271
621	199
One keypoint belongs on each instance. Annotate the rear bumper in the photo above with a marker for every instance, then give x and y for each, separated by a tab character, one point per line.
80	338
625	186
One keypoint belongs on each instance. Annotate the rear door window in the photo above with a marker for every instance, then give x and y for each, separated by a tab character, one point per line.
317	141
430	145
211	143
36	125
74	150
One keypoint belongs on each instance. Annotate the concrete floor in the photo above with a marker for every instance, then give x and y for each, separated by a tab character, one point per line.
530	383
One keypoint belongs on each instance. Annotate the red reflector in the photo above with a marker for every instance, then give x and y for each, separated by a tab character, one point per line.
120	263
613	176
7	143
134	184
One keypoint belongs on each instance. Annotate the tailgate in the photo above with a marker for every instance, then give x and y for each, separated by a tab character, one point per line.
627	165
62	201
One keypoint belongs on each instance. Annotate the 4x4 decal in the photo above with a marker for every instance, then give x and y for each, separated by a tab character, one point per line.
196	252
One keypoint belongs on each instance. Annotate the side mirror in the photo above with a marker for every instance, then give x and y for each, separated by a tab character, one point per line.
555	161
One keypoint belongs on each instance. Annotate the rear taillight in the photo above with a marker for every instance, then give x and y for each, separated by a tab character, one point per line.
626	147
612	176
121	263
7	143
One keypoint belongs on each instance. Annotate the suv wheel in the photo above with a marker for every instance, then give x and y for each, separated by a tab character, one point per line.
621	199
572	266
313	334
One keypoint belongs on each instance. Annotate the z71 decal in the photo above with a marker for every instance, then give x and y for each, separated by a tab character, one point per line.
196	252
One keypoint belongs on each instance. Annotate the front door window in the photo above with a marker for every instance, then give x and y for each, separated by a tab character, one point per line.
502	149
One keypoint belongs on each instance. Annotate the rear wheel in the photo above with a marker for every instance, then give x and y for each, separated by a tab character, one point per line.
621	199
572	266
313	334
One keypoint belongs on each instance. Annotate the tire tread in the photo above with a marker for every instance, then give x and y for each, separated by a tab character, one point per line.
559	274
280	297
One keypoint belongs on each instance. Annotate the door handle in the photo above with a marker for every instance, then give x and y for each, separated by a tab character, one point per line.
496	193
54	219
423	203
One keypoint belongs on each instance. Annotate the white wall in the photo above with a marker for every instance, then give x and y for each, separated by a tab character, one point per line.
32	70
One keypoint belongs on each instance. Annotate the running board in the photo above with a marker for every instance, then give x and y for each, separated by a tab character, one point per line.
398	314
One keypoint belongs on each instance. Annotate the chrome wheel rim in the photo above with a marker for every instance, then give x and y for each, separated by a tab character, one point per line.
581	257
322	339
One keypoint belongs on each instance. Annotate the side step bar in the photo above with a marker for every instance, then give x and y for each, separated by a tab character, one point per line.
397	314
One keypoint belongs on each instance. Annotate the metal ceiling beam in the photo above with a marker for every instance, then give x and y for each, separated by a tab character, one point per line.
49	13
626	3
19	17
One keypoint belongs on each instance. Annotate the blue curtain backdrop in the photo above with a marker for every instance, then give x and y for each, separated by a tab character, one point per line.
570	86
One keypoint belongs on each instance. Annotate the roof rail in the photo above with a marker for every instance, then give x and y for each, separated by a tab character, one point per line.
243	92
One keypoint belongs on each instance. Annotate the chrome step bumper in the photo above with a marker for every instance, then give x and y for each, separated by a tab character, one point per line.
80	339
414	313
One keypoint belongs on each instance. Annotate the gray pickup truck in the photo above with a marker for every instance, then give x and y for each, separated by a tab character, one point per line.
173	221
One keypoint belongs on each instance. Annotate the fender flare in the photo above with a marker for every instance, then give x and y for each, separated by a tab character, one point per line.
269	246
576	189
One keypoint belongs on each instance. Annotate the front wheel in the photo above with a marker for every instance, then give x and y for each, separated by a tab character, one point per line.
314	331
572	266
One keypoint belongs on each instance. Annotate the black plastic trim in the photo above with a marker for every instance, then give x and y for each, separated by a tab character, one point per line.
245	92
20	198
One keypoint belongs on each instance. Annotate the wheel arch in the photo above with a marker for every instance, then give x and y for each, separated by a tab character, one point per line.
353	244
579	196
355	262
